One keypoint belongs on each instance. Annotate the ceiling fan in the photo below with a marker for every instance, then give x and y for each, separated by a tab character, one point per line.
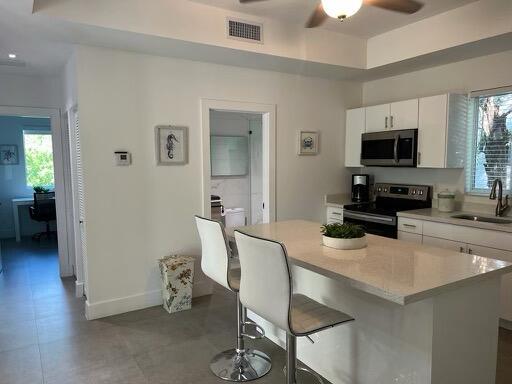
341	9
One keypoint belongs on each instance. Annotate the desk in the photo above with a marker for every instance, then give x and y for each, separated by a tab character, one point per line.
15	204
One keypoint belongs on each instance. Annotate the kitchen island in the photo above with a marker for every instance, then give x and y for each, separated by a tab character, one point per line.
422	314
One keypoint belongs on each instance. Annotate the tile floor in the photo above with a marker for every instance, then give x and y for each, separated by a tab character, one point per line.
45	338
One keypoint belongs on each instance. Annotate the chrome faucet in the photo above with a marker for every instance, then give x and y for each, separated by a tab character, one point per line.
501	207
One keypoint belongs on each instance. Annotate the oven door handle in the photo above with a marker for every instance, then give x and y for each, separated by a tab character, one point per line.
395	149
360	216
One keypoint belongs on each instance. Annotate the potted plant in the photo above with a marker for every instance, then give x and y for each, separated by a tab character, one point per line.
41	189
343	236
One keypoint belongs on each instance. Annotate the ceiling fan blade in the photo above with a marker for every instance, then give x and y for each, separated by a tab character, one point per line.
404	6
317	18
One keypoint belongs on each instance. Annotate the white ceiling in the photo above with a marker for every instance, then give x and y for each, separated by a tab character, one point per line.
36	54
368	22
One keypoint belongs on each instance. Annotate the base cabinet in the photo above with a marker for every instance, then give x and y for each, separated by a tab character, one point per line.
430	234
410	237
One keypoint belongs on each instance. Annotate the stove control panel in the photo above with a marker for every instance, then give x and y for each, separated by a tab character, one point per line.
410	192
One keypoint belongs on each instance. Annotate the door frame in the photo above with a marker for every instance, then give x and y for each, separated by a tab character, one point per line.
54	115
268	117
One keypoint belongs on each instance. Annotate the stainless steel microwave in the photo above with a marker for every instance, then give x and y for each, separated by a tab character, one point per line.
390	148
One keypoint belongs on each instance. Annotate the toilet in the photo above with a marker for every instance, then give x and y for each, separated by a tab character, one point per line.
234	217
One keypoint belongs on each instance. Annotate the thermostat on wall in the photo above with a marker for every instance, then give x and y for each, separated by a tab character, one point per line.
123	158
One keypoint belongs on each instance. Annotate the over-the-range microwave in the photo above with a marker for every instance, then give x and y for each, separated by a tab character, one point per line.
390	148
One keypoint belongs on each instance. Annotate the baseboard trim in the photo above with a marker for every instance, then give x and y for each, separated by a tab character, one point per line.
120	305
79	289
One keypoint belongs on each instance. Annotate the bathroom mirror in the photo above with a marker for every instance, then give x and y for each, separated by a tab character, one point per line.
229	155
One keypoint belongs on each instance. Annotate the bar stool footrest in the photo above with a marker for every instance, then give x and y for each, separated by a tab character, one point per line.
305	369
252	331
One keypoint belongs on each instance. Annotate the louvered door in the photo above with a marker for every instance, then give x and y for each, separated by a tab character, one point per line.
78	199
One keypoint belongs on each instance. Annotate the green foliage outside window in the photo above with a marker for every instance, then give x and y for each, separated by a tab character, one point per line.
38	159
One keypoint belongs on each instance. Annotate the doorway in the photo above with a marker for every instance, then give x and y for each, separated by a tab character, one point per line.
238	147
32	161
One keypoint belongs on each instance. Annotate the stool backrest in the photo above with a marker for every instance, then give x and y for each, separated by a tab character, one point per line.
265	282
215	251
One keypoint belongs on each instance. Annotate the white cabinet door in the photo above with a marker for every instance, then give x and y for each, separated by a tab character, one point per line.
354	128
410	237
506	280
432	132
377	118
404	114
442	243
334	215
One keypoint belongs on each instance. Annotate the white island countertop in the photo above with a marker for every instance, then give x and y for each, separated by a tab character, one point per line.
394	270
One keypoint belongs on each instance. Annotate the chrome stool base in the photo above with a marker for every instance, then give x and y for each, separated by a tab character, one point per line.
239	366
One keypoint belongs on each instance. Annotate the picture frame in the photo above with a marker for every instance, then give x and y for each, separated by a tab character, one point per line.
9	154
171	145
308	143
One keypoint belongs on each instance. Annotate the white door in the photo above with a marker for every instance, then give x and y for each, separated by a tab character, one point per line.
506	280
377	118
78	203
432	132
404	114
354	128
443	243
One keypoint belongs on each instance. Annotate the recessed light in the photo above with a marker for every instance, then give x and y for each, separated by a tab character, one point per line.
12	55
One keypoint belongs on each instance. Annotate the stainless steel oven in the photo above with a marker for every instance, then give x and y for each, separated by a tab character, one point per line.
390	148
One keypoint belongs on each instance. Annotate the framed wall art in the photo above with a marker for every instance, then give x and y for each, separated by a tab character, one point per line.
308	142
9	154
171	145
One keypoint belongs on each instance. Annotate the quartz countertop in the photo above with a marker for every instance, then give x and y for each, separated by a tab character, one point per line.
433	214
338	200
394	270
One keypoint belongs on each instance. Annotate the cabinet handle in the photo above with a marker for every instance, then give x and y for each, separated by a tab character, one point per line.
419	158
391	121
409	225
336	213
386	122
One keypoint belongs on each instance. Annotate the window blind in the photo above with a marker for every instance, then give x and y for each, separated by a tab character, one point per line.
490	139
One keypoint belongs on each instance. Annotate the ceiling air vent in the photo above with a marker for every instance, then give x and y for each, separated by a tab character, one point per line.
242	30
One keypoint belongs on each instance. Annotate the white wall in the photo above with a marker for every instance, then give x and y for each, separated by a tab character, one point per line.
139	213
481	73
30	91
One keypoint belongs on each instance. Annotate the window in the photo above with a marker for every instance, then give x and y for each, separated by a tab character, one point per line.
490	140
38	158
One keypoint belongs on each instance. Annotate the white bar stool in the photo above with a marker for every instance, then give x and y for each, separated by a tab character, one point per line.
238	364
266	288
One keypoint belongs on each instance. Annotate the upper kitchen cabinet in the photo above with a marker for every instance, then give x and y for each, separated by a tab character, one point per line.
442	131
354	128
377	118
394	116
403	114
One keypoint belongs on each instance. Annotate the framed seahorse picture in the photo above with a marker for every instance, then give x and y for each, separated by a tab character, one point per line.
171	145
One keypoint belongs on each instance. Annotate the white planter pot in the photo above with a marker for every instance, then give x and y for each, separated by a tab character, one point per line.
332	242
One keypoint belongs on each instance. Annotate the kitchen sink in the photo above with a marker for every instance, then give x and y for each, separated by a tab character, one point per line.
483	219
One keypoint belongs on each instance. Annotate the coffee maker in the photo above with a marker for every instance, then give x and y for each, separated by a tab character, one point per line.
360	188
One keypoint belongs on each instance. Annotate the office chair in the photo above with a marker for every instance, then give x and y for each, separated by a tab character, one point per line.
43	210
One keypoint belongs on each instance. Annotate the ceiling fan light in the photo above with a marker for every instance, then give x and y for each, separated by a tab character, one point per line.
341	9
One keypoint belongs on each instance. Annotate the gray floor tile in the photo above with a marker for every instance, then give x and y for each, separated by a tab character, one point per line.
79	353
60	327
19	334
124	371
145	335
21	366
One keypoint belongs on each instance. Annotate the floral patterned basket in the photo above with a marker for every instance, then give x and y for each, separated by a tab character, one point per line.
177	273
